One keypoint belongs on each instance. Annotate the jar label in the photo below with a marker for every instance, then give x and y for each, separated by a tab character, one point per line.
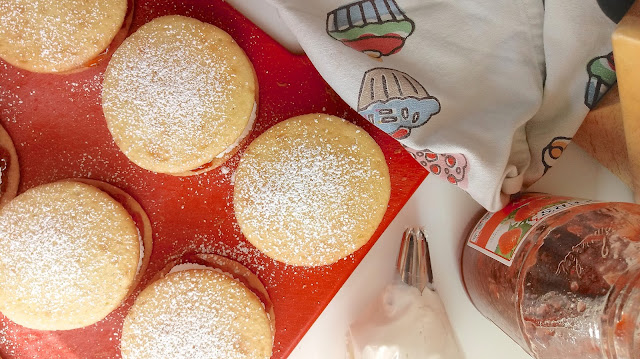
500	234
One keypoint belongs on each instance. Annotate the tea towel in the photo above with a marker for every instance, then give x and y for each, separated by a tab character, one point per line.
484	94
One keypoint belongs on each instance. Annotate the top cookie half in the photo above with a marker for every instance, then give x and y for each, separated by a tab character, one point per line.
311	190
177	94
57	36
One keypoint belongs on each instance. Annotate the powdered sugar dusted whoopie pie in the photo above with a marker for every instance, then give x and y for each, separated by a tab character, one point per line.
311	190
179	96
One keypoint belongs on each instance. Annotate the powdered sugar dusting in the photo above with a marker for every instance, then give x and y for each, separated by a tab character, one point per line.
309	193
86	86
245	133
196	314
9	100
7	339
54	249
242	252
168	93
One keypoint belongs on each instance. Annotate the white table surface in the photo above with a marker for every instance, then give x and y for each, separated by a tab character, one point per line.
445	211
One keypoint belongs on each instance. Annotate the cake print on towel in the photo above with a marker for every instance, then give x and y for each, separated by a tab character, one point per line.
451	166
553	151
395	102
375	27
602	75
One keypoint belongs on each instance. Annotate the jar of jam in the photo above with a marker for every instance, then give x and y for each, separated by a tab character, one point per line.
559	275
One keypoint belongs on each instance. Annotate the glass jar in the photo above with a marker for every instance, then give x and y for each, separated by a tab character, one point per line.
559	275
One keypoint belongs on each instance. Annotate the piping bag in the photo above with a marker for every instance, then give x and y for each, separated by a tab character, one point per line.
408	320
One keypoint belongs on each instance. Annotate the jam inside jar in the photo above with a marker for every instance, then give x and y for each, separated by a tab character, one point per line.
560	276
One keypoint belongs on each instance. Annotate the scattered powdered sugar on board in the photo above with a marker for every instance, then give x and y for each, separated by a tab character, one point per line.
88	87
243	253
9	100
270	272
8	339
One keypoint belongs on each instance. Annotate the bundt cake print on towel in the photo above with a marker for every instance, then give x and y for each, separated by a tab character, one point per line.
395	102
602	75
449	166
376	27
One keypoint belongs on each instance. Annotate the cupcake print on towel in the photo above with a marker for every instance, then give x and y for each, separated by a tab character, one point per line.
451	166
375	27
602	75
395	102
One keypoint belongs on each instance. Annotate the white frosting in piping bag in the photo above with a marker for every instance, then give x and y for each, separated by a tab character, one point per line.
401	323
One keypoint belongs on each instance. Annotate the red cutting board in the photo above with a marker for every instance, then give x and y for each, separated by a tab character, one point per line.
59	131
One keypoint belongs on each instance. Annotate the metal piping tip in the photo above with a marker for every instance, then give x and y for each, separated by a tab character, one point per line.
414	263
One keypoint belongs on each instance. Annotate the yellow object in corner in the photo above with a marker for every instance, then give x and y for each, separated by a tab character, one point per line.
626	50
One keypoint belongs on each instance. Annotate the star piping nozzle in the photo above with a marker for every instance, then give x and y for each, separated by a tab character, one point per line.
414	263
